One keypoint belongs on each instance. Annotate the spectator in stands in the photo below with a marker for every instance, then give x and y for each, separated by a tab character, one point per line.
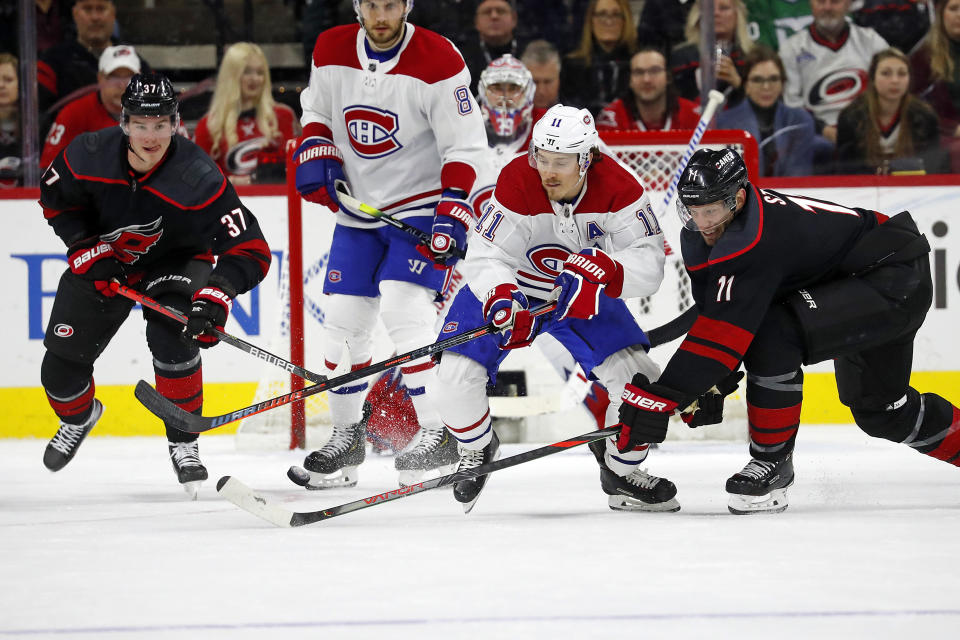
52	20
494	24
771	22
598	70
73	65
733	43
826	63
662	23
651	102
902	23
785	135
549	20
887	130
543	61
453	19
935	71
245	130
10	142
93	111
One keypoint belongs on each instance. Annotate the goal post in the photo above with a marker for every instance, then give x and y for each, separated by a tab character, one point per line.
653	155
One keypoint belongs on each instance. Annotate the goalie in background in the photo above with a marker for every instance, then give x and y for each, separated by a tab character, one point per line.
142	205
563	220
781	281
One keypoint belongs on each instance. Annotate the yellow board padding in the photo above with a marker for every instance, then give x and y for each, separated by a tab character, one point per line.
27	414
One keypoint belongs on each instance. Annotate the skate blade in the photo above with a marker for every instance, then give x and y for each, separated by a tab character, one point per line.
624	503
319	481
192	488
773	502
468	506
410	477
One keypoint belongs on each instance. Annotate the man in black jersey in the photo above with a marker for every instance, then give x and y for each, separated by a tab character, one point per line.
141	205
780	281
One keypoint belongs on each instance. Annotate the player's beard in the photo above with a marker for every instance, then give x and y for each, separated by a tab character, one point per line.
384	41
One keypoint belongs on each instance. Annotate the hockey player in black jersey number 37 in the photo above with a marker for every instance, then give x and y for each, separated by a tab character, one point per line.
780	281
144	206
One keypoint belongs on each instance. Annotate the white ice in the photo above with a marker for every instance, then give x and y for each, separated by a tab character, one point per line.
110	548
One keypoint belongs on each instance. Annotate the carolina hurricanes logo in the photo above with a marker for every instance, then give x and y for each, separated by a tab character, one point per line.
838	88
372	131
129	243
63	331
548	259
241	159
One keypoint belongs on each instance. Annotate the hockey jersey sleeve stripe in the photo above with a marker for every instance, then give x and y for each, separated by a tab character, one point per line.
773	419
316	129
723	333
256	249
80	176
535	278
419	196
458	175
725	359
195	207
50	214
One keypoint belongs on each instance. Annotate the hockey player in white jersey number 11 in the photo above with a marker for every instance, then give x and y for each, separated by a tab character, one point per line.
388	115
571	219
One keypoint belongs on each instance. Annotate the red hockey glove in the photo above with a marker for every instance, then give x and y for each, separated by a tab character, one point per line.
585	275
211	307
319	169
645	412
451	223
94	260
507	308
710	405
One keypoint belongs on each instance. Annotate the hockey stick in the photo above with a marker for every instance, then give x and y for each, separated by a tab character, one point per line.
244	497
714	100
422	236
174	416
233	341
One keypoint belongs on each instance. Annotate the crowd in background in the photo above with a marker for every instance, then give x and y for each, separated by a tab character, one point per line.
825	86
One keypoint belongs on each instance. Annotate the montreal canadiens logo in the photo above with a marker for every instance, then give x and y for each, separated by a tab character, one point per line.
838	88
373	132
548	259
63	330
334	276
450	327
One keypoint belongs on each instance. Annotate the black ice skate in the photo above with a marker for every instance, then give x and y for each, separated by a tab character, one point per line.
185	457
431	448
468	491
638	491
66	441
342	453
760	487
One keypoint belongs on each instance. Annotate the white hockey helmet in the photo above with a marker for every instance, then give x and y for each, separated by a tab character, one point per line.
565	130
406	11
507	120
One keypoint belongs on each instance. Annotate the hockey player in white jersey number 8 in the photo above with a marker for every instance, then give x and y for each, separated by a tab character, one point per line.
387	114
565	221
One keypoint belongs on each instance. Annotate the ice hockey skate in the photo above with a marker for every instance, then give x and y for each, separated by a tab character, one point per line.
638	491
185	457
341	455
68	438
468	491
432	448
760	487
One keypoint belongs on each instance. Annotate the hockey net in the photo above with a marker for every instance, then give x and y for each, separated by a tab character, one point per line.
654	156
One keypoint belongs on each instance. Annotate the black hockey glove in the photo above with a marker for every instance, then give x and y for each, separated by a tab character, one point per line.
710	405
94	260
645	412
211	307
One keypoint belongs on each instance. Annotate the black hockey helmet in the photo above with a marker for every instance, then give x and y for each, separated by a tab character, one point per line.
710	176
150	94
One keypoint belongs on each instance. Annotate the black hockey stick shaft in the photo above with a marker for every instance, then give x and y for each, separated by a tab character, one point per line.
233	341
174	416
245	498
422	236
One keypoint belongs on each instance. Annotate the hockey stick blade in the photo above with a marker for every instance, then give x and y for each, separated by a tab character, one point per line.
175	417
247	499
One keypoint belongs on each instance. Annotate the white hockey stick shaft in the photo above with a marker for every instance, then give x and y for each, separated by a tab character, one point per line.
714	100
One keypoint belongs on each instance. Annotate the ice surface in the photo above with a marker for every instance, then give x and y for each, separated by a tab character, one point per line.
110	548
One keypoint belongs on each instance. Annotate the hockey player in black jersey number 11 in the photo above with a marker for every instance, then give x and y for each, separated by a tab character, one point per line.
149	208
780	281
